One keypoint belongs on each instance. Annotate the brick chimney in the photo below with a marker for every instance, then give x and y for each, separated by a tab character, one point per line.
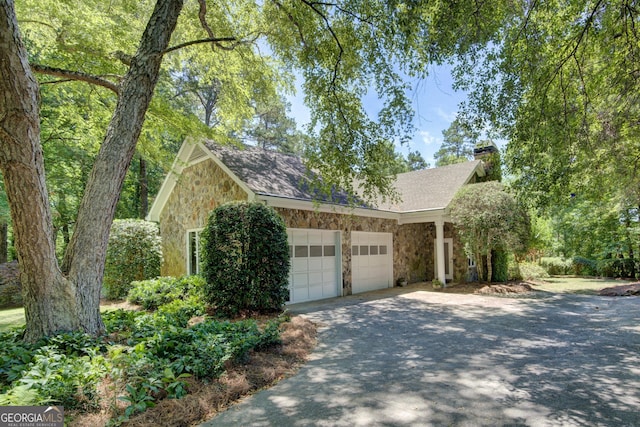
488	147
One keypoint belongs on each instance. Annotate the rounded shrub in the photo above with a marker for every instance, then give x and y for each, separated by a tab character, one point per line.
134	253
532	271
245	258
153	293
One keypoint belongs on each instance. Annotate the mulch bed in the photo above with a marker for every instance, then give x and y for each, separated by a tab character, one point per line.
621	291
488	289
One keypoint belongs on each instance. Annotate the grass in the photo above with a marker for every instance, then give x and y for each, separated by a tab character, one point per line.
14	317
576	285
11	318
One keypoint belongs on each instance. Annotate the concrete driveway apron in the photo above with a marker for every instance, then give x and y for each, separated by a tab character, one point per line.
432	359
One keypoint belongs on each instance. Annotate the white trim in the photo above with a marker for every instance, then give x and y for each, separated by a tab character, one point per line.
451	266
283	202
188	265
179	164
431	215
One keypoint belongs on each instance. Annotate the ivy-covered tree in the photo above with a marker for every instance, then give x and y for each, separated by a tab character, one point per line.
487	219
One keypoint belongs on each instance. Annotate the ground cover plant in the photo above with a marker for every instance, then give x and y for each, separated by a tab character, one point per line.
144	358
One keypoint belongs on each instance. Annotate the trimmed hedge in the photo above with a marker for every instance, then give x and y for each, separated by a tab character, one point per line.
134	253
245	258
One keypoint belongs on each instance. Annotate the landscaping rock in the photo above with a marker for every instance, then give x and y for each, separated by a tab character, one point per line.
621	291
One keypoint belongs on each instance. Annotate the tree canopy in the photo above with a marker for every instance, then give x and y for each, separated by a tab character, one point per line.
488	218
560	81
458	142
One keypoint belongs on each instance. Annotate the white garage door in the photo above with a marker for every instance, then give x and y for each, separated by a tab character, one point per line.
372	261
315	265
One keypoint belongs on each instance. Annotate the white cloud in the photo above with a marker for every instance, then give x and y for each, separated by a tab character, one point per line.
448	116
429	139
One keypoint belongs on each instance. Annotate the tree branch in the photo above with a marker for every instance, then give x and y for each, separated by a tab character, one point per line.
214	40
75	75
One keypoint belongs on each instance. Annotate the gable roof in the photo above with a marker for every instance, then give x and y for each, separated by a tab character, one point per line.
281	176
429	189
270	173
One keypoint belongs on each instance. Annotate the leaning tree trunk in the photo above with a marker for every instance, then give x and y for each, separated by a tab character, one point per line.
53	303
85	256
48	297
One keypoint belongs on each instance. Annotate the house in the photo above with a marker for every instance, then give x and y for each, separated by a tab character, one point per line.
336	249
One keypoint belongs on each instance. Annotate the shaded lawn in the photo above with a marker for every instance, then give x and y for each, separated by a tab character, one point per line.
14	317
576	285
11	318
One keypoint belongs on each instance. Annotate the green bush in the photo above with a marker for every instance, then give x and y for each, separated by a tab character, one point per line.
556	266
500	266
134	253
513	269
584	266
245	258
532	271
153	293
616	267
64	369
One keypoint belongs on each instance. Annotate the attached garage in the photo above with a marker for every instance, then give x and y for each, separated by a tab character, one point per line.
315	265
372	261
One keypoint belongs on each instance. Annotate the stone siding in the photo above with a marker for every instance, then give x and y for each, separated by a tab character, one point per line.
200	189
412	243
204	186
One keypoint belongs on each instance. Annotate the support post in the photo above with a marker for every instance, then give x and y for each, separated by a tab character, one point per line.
440	267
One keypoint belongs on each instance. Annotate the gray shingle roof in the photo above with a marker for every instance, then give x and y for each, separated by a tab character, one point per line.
432	188
282	175
271	173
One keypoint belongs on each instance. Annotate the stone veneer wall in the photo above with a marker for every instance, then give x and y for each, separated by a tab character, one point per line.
204	186
412	243
200	189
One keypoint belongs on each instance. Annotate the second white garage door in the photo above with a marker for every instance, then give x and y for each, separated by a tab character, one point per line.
372	261
315	265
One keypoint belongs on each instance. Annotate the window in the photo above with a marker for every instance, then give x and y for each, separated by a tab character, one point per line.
315	251
383	249
354	250
364	250
193	252
330	250
301	251
373	250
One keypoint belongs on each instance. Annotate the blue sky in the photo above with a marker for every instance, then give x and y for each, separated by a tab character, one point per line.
435	104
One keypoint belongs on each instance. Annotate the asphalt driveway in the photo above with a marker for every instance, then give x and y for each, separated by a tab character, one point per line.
419	358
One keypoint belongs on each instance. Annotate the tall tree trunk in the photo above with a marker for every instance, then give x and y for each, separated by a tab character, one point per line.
85	256
53	303
48	297
143	189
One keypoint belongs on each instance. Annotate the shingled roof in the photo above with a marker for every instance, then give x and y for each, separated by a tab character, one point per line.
271	173
276	174
433	188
